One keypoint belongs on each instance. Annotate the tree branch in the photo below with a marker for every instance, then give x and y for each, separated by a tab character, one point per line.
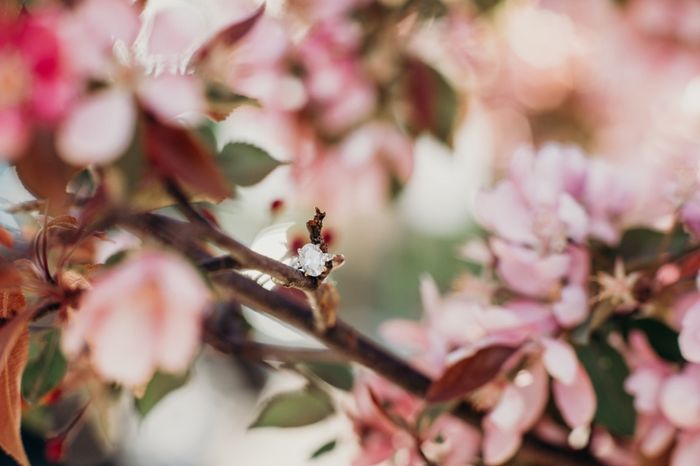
342	338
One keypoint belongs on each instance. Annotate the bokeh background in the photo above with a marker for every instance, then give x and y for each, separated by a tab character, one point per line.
621	79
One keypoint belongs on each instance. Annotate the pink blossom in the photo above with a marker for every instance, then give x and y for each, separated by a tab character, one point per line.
101	125
259	68
448	441
576	400
375	153
680	398
687	450
649	373
455	325
141	316
689	338
522	402
690	214
572	307
335	81
528	272
36	86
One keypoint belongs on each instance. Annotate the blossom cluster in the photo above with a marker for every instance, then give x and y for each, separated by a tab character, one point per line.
540	290
585	269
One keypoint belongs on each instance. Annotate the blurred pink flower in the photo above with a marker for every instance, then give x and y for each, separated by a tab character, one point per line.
36	86
259	68
101	125
456	325
690	214
526	271
355	176
689	338
667	401
537	205
520	406
141	316
680	398
338	87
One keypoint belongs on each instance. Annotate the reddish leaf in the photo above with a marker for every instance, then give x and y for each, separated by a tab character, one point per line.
54	450
15	319
469	373
44	174
229	35
178	153
14	351
9	277
11	402
689	265
11	302
6	238
432	101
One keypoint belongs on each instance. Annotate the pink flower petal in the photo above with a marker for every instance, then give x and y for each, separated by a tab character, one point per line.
430	295
572	307
508	412
645	384
99	129
175	30
120	350
687	451
689	338
576	401
526	271
14	134
503	211
173	96
573	215
185	297
107	21
405	332
680	400
499	446
560	360
463	440
142	315
535	394
658	438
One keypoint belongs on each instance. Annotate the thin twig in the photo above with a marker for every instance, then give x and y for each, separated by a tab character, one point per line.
261	351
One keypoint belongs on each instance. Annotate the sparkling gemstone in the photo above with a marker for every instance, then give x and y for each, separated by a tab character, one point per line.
311	260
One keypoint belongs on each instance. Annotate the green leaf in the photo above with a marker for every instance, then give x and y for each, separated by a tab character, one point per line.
221	100
116	258
608	372
485	6
323	449
245	164
207	132
338	375
640	245
158	388
295	409
661	337
46	367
